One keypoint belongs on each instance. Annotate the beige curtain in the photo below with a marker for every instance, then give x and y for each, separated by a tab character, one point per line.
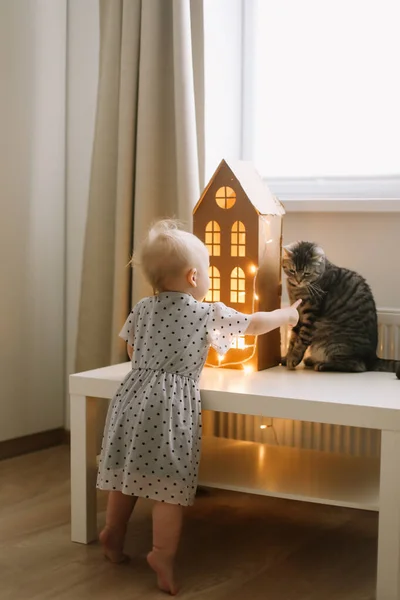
148	155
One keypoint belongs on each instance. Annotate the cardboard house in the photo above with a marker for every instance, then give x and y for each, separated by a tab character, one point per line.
240	222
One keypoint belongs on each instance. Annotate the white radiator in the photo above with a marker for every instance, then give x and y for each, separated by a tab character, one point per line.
316	436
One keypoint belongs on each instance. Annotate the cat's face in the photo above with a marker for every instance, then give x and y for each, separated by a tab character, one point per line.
303	263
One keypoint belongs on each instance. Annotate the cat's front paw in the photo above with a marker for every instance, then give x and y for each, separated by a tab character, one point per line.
292	361
283	361
309	362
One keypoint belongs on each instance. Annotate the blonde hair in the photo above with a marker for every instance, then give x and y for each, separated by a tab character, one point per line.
166	251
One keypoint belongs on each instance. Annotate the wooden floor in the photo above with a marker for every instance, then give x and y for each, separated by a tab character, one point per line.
235	547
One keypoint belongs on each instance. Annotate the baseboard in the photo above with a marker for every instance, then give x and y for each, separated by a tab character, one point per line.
33	443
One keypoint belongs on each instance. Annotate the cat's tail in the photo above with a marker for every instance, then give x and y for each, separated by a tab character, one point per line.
385	365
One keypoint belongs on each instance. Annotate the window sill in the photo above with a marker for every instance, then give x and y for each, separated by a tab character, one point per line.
341	205
350	195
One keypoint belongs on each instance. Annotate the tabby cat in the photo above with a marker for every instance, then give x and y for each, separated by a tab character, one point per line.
338	320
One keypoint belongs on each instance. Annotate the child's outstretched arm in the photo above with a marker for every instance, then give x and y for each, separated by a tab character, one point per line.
263	322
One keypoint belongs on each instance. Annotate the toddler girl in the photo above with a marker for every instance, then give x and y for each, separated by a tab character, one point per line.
151	444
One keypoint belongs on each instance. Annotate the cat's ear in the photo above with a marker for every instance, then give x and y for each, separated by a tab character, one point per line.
319	253
287	251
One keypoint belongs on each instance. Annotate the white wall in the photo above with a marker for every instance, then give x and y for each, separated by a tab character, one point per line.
82	73
32	182
366	242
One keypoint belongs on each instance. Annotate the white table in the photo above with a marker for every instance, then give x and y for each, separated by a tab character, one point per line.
369	400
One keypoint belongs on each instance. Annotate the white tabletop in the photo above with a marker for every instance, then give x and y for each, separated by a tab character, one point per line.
360	399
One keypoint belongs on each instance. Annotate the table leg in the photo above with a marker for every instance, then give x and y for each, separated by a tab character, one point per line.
388	578
83	469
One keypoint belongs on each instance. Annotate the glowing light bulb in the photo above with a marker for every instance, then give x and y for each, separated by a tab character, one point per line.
253	269
263	427
256	297
248	368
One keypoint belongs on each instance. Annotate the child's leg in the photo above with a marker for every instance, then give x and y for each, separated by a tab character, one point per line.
167	525
119	510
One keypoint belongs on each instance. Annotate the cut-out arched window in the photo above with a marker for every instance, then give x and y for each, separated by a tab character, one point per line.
238	239
239	342
225	197
214	293
213	238
238	286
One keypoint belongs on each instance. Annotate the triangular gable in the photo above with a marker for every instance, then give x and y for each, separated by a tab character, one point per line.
208	185
253	186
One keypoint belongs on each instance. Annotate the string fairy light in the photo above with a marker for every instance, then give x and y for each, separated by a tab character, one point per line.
246	368
271	426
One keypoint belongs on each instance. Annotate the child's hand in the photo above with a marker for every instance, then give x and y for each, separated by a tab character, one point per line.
263	322
293	313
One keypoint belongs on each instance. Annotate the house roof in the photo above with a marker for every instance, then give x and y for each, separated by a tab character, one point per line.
253	186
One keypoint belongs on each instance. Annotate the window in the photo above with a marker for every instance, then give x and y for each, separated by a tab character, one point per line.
213	238
213	294
238	286
321	93
239	342
238	239
225	197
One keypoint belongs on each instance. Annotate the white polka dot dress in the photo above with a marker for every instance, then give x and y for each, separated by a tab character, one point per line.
152	438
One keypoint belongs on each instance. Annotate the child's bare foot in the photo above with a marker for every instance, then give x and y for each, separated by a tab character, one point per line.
112	541
164	569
